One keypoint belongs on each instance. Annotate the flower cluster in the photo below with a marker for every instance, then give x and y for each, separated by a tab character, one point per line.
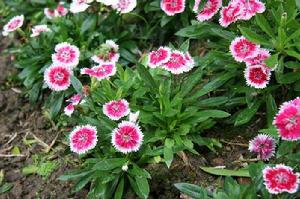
281	179
121	6
13	24
59	11
257	74
240	10
174	61
126	138
287	121
73	101
106	59
65	58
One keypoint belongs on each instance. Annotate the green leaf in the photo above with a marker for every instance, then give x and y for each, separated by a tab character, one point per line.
109	164
119	190
74	175
185	46
285	148
271	109
272	61
168	152
76	84
56	103
88	24
293	54
192	190
6	187
252	36
146	77
247	114
262	22
226	172
214	114
143	186
191	81
211	86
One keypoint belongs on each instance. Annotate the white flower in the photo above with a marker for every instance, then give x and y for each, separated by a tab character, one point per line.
79	6
133	117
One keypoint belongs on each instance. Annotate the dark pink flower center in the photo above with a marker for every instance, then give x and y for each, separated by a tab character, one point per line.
14	24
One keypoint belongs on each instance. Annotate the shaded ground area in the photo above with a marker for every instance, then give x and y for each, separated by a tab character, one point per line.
32	153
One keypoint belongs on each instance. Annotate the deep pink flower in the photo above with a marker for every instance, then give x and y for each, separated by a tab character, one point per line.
241	49
83	138
261	56
177	63
230	14
287	121
249	8
263	145
158	57
124	6
127	138
69	109
210	8
281	179
115	110
172	7
13	24
110	53
102	71
57	77
66	54
257	76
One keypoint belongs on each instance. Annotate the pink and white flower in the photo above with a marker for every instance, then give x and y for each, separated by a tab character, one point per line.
100	72
190	61
249	8
159	57
115	110
109	53
66	54
258	76
75	99
58	77
177	63
69	109
79	6
50	14
261	56
210	8
263	145
133	117
61	10
127	138
13	24
172	7
83	138
125	6
37	30
281	179
196	6
287	121
241	49
230	14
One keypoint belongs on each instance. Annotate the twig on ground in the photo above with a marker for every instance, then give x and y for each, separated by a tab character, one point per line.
11	155
234	143
246	160
11	139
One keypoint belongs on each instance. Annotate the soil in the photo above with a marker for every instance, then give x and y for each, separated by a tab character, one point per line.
20	121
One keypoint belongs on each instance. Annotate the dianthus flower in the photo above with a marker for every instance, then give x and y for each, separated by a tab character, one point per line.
127	138
78	6
58	77
124	6
108	53
100	72
257	76
281	179
13	24
172	7
210	8
115	110
263	145
66	54
159	57
38	29
241	49
177	63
